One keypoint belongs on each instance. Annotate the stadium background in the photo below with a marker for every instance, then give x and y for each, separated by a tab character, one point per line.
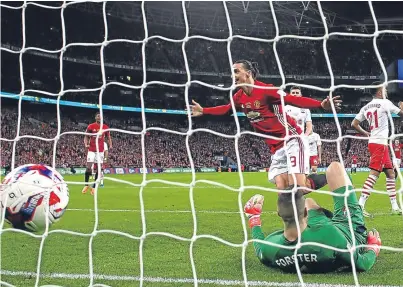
111	229
353	61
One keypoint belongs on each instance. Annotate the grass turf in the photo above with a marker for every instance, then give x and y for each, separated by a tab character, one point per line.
167	209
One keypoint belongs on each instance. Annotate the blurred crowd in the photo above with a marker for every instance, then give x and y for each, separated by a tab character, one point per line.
162	149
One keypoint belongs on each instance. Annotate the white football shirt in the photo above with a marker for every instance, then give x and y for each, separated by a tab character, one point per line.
301	116
376	113
314	142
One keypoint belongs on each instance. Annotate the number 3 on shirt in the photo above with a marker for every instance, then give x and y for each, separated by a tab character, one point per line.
293	160
375	116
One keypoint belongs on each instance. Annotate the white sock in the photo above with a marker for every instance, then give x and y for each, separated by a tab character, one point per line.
368	185
391	188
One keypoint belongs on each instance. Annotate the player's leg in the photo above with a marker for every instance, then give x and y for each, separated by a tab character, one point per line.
278	171
397	162
88	171
103	166
313	162
391	182
297	161
98	159
93	171
316	181
340	183
376	165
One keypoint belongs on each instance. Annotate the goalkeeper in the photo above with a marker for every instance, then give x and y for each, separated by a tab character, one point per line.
316	227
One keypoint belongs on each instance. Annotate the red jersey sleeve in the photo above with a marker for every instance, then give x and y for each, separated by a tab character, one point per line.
222	110
274	97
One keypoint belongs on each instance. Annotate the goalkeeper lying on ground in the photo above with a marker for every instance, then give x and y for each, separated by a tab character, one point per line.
316	227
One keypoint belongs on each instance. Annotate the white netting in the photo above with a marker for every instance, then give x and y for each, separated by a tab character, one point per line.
190	131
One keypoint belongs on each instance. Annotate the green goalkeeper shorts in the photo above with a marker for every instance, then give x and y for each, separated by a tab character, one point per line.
340	216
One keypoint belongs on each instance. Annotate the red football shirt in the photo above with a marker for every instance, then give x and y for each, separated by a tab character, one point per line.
94	128
354	159
398	150
265	113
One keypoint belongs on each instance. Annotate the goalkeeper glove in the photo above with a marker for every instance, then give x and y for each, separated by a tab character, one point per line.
374	241
253	210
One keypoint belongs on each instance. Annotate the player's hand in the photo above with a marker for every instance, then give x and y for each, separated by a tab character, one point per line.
196	110
253	210
374	240
326	103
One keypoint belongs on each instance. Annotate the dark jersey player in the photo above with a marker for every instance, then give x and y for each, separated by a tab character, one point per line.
316	227
265	113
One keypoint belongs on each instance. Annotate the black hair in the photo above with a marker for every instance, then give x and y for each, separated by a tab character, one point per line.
251	66
295	88
285	206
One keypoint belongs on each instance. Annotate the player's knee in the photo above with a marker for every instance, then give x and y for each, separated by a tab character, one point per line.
334	168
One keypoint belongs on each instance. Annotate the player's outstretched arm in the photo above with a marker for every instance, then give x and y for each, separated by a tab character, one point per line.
304	102
196	110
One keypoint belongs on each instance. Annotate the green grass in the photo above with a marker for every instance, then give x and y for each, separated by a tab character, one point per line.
118	254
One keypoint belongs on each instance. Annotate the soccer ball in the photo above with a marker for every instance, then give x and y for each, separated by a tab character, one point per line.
23	195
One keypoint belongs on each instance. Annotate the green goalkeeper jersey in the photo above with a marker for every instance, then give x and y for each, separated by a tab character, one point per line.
311	258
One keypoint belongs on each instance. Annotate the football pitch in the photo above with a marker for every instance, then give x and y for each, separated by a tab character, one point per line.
115	248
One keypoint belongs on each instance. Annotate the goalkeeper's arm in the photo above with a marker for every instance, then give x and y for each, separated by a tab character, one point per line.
364	260
253	210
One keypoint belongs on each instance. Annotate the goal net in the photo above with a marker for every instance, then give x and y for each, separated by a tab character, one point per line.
141	278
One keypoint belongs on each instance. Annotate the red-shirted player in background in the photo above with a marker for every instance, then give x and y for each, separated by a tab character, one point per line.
397	148
264	110
354	161
90	143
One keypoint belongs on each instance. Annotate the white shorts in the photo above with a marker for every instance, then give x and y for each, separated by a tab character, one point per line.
353	165
92	157
291	159
105	146
398	162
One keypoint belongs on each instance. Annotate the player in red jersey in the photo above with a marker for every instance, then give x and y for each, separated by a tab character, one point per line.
397	149
354	161
95	154
376	112
264	110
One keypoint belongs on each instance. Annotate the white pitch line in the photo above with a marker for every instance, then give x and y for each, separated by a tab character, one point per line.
183	211
176	280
